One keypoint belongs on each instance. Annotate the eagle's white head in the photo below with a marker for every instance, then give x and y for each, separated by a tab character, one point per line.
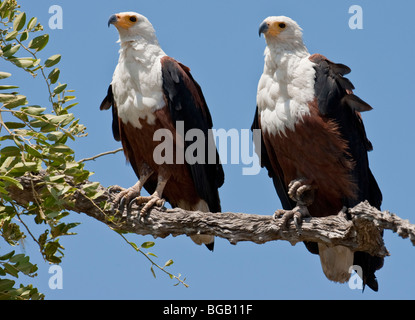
133	26
286	86
282	32
137	79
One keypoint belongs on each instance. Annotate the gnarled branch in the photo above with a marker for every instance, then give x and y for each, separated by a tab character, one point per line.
362	233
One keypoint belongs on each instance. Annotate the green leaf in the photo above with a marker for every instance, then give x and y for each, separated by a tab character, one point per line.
60	88
5	48
15	125
55	178
3	5
39	42
32	23
7	164
62	120
6	87
51	248
32	151
152	271
90	186
37	123
134	246
62	229
147	245
33	110
168	263
71	106
11	35
12	270
7	256
26	167
6	97
55	136
12	101
24	36
10	151
54	75
54	259
11	51
60	147
4	75
12	181
6	285
19	21
24	62
53	60
97	194
16	258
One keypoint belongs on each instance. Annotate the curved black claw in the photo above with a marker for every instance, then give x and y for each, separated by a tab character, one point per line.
125	197
297	214
149	202
146	202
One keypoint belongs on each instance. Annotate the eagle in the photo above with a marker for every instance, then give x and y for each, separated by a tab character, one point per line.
313	141
151	92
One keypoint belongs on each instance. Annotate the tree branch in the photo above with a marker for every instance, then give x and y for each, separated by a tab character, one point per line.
362	233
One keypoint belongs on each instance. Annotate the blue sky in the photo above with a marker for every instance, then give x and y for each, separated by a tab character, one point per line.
219	41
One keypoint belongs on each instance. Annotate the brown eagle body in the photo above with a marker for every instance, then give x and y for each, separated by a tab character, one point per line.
314	141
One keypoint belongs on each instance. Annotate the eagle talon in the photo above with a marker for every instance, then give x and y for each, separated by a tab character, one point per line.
297	214
149	202
300	191
124	197
115	189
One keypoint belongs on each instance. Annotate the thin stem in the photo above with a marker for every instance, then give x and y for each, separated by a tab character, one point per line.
101	155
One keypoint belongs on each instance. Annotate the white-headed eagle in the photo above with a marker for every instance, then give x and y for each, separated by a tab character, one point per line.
151	91
314	144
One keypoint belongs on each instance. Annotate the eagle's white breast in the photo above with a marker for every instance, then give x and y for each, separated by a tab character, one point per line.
285	89
137	83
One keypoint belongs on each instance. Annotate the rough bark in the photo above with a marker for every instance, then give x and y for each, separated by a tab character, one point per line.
362	233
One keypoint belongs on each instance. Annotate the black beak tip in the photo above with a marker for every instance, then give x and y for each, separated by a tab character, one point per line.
112	20
263	28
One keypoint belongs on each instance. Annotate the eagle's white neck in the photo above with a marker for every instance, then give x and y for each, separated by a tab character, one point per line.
141	50
286	87
137	81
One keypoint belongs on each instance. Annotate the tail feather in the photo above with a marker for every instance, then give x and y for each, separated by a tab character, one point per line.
369	265
211	245
199	239
336	262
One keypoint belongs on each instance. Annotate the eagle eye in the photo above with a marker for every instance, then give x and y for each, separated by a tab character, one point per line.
282	25
133	19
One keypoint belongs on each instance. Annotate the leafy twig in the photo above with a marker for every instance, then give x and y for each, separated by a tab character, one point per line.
168	263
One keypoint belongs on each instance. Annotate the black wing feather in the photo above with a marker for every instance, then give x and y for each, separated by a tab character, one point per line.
107	103
337	102
186	103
